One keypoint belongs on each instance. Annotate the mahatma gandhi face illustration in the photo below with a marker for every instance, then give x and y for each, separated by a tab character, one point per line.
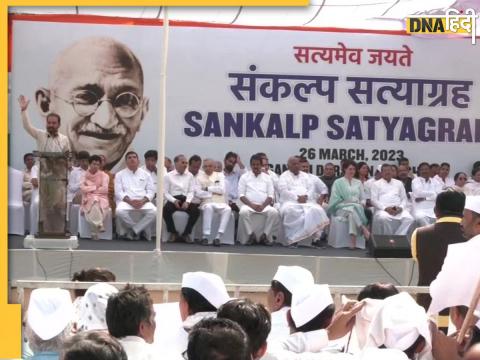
96	86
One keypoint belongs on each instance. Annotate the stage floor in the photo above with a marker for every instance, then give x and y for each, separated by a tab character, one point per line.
16	242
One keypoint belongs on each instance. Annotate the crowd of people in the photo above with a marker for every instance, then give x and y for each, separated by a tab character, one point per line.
299	320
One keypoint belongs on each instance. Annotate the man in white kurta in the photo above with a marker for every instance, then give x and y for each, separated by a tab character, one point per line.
256	193
212	193
390	201
301	217
424	193
134	192
319	189
233	169
150	166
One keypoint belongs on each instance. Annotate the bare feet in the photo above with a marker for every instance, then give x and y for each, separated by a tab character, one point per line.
366	233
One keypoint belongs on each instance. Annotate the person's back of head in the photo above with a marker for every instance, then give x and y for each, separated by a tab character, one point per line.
450	203
254	319
130	312
377	291
93	345
92	275
218	339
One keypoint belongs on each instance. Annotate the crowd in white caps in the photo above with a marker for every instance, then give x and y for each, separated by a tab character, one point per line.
300	320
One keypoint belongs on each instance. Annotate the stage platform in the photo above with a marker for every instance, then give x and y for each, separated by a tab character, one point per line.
138	262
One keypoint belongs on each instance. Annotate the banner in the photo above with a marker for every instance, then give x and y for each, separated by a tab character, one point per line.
326	95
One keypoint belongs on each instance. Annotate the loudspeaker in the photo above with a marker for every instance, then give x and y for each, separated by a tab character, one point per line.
390	246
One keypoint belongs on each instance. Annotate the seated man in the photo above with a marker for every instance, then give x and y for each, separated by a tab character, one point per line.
302	218
94	187
279	296
233	168
390	201
134	191
179	190
218	339
151	157
328	177
442	177
130	318
74	194
424	193
319	189
256	192
212	193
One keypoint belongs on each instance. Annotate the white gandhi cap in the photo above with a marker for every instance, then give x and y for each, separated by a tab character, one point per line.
49	312
308	302
209	285
472	203
293	276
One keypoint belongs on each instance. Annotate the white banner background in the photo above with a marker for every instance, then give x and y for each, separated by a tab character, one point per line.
201	58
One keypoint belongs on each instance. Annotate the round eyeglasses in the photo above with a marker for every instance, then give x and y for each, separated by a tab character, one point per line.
86	102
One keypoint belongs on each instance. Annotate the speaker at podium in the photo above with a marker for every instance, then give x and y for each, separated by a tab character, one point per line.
390	246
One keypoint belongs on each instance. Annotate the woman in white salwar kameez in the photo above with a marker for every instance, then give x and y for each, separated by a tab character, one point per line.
460	179
347	200
94	187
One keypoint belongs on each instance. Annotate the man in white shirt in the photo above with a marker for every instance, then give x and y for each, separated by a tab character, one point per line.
179	191
150	166
266	169
195	168
27	187
256	192
302	218
130	318
134	192
232	176
74	195
279	297
442	177
212	193
47	141
319	189
390	201
424	193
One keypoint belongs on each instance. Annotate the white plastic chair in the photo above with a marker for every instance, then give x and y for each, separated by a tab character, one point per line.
16	211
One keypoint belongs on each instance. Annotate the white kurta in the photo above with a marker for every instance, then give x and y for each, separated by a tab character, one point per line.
472	188
423	210
136	185
179	184
137	349
231	184
211	191
280	329
386	194
318	188
300	221
257	189
74	182
448	182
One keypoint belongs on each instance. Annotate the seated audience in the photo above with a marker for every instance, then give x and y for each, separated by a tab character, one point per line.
460	180
94	188
27	187
254	320
319	189
93	345
473	186
179	191
434	170
302	219
131	319
49	319
134	192
347	200
218	339
403	176
168	164
195	168
424	192
256	193
390	201
377	291
111	184
212	193
233	169
74	194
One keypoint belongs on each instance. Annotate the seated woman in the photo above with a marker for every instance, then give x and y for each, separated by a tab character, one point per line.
94	187
347	200
460	179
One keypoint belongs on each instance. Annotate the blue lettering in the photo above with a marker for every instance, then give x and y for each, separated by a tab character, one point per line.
425	134
446	129
190	118
407	132
230	123
290	132
371	120
309	123
212	125
337	131
464	132
390	126
253	125
274	127
354	129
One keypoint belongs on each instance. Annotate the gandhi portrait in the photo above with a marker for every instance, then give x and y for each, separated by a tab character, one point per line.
96	86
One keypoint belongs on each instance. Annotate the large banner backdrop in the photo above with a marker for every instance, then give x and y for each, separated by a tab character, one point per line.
326	95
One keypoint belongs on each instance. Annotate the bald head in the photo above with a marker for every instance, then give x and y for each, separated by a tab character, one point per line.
293	164
94	53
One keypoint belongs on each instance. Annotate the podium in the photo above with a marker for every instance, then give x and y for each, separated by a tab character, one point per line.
52	204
